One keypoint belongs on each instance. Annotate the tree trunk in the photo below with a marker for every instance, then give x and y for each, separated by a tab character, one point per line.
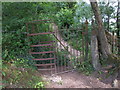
118	26
116	82
108	14
104	47
94	49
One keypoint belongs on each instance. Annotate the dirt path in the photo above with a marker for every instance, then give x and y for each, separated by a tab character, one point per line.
74	80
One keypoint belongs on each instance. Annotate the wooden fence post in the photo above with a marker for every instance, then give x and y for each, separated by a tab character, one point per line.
86	40
83	42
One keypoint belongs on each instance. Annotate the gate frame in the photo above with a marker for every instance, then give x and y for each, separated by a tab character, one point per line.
41	21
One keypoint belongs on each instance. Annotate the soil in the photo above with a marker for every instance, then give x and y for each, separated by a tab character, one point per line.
75	79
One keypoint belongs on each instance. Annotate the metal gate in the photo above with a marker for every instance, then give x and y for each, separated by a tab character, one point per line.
54	51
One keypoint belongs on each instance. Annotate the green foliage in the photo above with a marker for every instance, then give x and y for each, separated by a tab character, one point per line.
20	77
73	62
107	10
85	67
73	37
25	63
39	85
65	16
16	14
15	44
83	12
20	73
62	58
15	41
3	73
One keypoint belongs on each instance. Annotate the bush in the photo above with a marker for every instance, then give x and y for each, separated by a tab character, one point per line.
20	75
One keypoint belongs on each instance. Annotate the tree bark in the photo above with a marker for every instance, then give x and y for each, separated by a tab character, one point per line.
118	26
104	47
108	14
94	49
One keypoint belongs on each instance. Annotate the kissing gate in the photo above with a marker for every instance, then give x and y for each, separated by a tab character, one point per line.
53	50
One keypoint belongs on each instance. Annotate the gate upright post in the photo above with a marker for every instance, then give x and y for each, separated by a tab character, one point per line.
86	40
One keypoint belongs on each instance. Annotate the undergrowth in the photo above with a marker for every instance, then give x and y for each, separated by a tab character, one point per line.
18	74
85	67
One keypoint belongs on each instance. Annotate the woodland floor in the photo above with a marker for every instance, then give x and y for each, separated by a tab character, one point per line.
75	79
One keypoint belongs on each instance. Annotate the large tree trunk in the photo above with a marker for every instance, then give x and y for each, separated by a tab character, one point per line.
94	48
104	46
94	51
